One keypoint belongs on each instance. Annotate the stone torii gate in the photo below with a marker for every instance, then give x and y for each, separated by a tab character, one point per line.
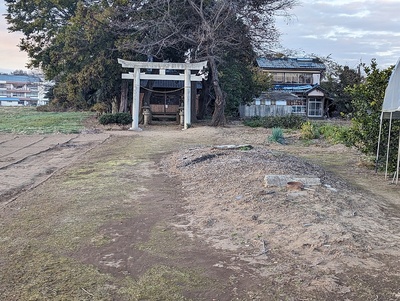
160	74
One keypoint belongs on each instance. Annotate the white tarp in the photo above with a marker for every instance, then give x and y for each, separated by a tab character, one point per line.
391	110
391	102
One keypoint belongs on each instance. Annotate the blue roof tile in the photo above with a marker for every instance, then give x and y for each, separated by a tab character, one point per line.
290	63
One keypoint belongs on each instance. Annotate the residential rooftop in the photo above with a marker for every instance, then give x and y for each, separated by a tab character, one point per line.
290	63
20	78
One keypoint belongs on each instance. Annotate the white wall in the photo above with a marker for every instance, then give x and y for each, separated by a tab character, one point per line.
6	103
316	79
264	110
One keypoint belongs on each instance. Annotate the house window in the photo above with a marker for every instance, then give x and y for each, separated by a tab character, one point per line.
298	106
281	102
305	78
315	107
291	78
299	109
278	78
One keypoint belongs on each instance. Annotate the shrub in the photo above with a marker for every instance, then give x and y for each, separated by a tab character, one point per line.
100	108
254	122
309	131
44	108
123	118
107	119
277	136
335	134
286	122
51	108
118	118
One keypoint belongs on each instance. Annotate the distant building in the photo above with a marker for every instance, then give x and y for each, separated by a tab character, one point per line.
22	90
295	89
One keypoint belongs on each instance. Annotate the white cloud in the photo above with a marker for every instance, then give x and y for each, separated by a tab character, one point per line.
361	14
347	30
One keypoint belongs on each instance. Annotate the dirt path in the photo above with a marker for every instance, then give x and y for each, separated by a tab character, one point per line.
125	218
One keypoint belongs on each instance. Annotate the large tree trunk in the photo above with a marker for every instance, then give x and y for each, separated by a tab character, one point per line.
218	118
204	98
123	106
193	102
114	105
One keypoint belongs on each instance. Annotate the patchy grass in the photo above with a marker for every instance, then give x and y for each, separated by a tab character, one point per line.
164	283
27	120
39	240
163	242
33	274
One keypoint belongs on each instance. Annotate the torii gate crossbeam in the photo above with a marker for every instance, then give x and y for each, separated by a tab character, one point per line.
138	75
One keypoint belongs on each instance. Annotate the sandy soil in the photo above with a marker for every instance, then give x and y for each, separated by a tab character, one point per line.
334	241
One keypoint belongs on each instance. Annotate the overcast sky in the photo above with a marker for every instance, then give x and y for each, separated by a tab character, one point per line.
349	31
10	56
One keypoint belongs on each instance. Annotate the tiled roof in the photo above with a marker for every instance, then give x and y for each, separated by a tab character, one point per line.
290	63
20	78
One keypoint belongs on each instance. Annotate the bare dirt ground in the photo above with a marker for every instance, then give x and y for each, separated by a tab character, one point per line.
164	215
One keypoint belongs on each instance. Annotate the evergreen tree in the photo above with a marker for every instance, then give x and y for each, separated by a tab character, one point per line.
78	42
367	99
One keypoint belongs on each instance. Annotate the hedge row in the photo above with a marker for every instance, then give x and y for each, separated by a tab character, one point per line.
117	118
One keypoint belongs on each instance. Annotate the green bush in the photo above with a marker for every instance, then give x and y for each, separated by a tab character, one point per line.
277	136
118	118
254	122
335	133
107	119
286	122
123	118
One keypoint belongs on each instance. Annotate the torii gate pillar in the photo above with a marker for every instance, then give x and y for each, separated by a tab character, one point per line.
137	75
187	101
135	102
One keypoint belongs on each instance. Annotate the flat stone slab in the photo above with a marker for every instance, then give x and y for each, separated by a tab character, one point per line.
282	180
234	146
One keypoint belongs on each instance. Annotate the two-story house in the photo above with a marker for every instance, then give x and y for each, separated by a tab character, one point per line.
295	89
